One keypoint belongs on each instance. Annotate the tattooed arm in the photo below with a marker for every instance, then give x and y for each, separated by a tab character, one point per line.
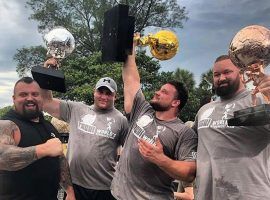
13	158
65	178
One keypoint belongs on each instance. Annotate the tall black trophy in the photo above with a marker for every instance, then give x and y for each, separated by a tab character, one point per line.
60	43
250	51
118	37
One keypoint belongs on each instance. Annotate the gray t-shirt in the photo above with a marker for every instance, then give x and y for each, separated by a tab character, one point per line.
136	178
94	138
233	162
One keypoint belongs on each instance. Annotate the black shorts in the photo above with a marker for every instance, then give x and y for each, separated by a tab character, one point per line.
82	193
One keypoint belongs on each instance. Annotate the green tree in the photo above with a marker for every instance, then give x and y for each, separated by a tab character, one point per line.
185	77
206	82
4	110
28	58
205	89
84	19
189	111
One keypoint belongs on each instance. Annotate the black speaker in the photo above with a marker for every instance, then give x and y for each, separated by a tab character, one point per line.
117	37
49	78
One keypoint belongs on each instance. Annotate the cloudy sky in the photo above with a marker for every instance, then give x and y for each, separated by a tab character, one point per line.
206	35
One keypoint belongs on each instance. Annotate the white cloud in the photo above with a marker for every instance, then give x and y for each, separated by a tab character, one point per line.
7	81
16	31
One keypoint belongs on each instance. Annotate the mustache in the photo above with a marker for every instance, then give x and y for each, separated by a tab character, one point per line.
222	82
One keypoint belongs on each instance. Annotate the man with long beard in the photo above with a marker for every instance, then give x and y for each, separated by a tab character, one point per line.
159	147
232	161
32	164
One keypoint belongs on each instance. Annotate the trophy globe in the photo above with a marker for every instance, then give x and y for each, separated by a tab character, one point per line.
60	43
250	51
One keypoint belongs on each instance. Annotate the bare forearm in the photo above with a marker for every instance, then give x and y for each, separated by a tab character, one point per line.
180	170
65	178
131	81
13	158
50	104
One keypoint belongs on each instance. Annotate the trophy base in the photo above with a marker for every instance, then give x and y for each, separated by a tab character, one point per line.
253	116
117	36
49	78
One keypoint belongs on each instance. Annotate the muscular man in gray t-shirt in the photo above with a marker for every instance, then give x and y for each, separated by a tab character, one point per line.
233	162
96	132
159	147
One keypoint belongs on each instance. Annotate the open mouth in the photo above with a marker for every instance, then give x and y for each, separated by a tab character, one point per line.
30	105
223	85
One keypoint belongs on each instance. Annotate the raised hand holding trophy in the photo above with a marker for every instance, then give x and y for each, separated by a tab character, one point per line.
250	51
60	43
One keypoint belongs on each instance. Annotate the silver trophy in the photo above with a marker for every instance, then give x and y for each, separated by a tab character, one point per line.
250	51
60	43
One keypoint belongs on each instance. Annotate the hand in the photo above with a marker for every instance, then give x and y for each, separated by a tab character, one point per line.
70	194
264	88
151	152
51	63
136	38
53	148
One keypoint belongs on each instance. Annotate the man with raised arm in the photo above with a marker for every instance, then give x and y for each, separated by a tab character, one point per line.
96	133
159	147
32	164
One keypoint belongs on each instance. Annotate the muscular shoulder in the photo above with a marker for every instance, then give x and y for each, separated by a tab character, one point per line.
9	132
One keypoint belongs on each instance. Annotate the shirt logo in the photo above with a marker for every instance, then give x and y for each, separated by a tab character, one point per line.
86	125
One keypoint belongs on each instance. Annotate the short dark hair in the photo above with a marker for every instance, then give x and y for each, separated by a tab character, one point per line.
222	57
182	93
26	79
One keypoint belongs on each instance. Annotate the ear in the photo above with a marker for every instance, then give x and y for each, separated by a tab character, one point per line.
176	103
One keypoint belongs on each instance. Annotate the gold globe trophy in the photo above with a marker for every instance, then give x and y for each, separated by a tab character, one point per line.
250	51
163	44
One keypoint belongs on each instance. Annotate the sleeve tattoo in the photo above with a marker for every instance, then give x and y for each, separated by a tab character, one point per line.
65	177
13	158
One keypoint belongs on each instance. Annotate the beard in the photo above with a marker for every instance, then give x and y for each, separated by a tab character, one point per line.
228	90
158	107
31	114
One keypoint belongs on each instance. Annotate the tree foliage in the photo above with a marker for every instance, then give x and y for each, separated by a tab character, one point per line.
186	77
4	110
84	19
28	58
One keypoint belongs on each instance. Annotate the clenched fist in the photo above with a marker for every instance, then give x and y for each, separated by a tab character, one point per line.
52	148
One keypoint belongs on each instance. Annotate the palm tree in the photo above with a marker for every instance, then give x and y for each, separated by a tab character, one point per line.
186	77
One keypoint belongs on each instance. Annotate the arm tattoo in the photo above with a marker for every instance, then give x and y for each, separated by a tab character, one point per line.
13	158
65	177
